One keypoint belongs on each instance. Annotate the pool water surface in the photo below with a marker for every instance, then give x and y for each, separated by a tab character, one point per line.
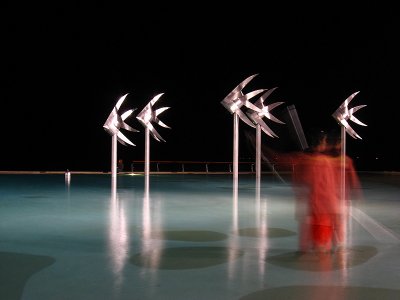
186	236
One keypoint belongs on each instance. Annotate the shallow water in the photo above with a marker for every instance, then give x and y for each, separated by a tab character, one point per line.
182	236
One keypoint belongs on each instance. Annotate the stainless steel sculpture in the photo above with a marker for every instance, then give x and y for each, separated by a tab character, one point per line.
233	103
113	126
146	117
343	114
257	118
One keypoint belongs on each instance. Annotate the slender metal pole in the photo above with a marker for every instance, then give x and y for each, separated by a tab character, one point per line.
343	165
345	204
258	151
147	153
235	146
114	156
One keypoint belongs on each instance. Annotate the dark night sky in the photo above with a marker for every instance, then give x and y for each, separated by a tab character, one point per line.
64	68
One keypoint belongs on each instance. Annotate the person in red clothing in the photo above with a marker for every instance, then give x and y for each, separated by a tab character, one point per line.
322	206
314	186
348	187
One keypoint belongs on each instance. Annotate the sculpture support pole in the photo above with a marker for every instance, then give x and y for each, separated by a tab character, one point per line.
114	156
113	125
342	115
146	117
343	164
258	151
233	102
147	153
235	146
344	202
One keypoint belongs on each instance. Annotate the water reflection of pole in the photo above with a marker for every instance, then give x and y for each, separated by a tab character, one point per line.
233	241
235	220
118	235
113	191
152	252
262	228
146	214
258	200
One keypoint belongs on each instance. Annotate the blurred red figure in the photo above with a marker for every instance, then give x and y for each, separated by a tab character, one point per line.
322	197
318	176
348	187
314	183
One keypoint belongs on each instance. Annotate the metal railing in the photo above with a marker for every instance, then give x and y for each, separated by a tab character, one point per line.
204	166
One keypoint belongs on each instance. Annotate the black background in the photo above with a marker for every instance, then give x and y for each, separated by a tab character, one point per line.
65	67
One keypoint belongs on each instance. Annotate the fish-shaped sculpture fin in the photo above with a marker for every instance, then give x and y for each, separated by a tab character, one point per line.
256	115
123	139
237	91
266	129
115	122
157	120
231	102
148	116
343	114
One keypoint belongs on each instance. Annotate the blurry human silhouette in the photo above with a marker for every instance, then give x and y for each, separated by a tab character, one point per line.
324	179
323	200
348	187
315	183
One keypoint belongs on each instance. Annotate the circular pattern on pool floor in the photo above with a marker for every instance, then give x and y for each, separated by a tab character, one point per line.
323	262
184	257
269	232
308	292
16	269
189	235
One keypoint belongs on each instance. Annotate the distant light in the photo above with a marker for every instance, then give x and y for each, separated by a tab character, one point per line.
68	177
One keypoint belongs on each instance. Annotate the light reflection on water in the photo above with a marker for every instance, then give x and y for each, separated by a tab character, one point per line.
151	221
158	232
118	235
